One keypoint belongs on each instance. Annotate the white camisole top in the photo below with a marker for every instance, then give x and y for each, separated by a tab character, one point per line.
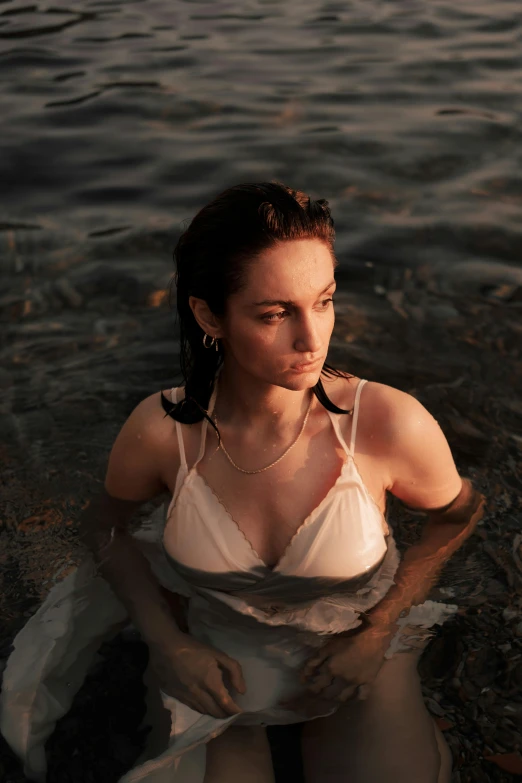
339	563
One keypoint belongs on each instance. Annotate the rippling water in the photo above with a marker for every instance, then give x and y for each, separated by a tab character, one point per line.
126	117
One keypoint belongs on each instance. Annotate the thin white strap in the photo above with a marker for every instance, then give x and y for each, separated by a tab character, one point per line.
334	418
174	398
356	415
204	426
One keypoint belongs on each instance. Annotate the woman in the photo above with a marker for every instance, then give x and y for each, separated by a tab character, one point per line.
277	468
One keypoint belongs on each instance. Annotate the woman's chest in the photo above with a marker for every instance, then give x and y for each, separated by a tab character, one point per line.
271	524
270	507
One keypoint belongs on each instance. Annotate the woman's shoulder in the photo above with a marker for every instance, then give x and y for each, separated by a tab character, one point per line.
135	469
379	403
388	417
156	411
168	432
172	395
150	423
342	390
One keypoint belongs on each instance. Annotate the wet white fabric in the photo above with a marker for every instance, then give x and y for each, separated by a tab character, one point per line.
340	563
342	537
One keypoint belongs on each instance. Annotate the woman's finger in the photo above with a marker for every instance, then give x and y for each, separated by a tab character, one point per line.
220	694
363	692
310	666
233	670
322	679
351	692
315	662
336	688
207	705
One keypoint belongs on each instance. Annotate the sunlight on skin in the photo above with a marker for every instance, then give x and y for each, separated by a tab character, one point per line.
264	343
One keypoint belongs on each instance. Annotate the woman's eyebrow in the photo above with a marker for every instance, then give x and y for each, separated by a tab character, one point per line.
287	303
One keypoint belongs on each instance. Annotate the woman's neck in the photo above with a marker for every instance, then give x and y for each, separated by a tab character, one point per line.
246	401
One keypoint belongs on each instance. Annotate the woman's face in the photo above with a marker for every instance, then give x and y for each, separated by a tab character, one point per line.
283	317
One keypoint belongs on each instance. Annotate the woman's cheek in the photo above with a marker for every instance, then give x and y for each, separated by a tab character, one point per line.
328	325
253	342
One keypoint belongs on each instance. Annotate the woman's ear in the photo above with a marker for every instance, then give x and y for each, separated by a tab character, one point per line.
204	316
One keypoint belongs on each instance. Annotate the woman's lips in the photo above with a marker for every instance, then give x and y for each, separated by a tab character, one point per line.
307	367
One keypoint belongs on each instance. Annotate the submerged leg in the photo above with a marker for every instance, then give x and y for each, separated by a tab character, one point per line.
389	737
242	754
445	755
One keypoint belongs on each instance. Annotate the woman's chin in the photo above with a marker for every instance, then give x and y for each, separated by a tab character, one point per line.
299	380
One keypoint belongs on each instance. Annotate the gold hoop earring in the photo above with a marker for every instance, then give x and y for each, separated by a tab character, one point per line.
213	341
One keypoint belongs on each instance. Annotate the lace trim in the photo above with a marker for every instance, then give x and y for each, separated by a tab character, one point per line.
306	522
228	514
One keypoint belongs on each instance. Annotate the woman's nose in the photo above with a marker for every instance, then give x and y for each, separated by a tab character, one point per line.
308	339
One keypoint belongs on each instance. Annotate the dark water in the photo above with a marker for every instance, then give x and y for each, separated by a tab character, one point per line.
119	120
124	117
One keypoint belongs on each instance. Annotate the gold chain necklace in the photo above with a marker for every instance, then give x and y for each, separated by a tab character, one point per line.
291	446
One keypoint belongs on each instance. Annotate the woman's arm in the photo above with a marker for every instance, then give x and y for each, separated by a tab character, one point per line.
133	478
423	475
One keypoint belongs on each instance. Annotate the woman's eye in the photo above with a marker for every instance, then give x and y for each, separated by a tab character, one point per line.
326	302
275	316
282	313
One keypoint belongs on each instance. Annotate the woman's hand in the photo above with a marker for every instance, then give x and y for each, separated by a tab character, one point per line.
344	665
342	669
193	672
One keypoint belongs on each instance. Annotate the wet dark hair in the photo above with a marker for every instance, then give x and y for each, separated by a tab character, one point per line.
212	256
